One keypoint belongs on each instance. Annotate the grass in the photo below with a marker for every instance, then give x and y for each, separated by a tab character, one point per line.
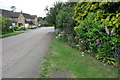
62	57
15	32
10	34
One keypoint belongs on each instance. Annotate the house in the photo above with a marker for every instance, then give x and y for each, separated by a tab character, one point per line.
19	18
42	22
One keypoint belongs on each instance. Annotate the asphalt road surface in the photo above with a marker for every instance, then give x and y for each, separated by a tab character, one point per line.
22	54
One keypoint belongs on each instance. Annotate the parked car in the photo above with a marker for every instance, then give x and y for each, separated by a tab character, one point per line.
39	25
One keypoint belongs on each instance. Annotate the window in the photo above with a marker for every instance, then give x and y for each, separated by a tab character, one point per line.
21	19
29	19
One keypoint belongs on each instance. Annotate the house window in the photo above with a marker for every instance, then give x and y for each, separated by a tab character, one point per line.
29	19
21	19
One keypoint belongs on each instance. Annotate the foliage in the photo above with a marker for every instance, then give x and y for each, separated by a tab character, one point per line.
96	26
97	29
13	8
5	23
100	31
44	25
64	19
52	13
105	12
39	19
42	21
62	57
10	34
23	28
60	15
99	37
18	28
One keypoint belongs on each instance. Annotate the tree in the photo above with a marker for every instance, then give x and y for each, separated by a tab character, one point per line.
64	19
13	8
53	12
5	25
61	16
39	19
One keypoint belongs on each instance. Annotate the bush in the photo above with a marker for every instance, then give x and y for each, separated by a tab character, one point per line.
23	28
64	20
106	12
16	28
5	25
29	27
96	29
99	38
46	25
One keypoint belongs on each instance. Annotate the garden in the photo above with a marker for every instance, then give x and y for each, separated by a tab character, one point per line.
89	27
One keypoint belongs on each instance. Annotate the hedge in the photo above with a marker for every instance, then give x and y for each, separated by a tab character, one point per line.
98	28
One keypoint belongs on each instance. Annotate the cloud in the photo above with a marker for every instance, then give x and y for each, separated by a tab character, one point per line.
33	7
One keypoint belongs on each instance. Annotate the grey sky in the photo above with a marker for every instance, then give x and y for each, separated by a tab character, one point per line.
33	7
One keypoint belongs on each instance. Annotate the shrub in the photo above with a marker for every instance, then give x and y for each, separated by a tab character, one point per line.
106	12
97	29
29	27
98	38
23	28
64	20
16	28
5	25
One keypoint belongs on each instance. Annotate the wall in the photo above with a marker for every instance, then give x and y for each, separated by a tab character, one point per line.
21	19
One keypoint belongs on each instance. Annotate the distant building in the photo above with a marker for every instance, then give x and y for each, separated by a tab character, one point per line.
19	18
42	22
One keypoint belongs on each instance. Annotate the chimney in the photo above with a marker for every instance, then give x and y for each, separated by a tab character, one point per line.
21	11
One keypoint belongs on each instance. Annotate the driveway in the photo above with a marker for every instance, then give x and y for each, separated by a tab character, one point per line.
22	54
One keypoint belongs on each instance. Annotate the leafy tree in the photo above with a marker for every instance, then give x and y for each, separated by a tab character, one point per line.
44	18
64	18
13	8
53	12
39	19
61	16
5	25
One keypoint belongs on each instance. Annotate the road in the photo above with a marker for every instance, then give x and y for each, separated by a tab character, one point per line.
22	54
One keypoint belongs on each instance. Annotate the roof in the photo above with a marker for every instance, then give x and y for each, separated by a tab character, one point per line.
42	21
16	14
33	16
29	16
6	13
12	14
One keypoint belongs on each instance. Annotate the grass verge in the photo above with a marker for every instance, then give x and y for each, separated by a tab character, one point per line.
62	57
10	34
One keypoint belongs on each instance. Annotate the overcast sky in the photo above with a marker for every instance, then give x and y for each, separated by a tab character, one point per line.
33	7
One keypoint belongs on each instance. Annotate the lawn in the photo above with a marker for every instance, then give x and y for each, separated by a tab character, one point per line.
11	33
62	57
